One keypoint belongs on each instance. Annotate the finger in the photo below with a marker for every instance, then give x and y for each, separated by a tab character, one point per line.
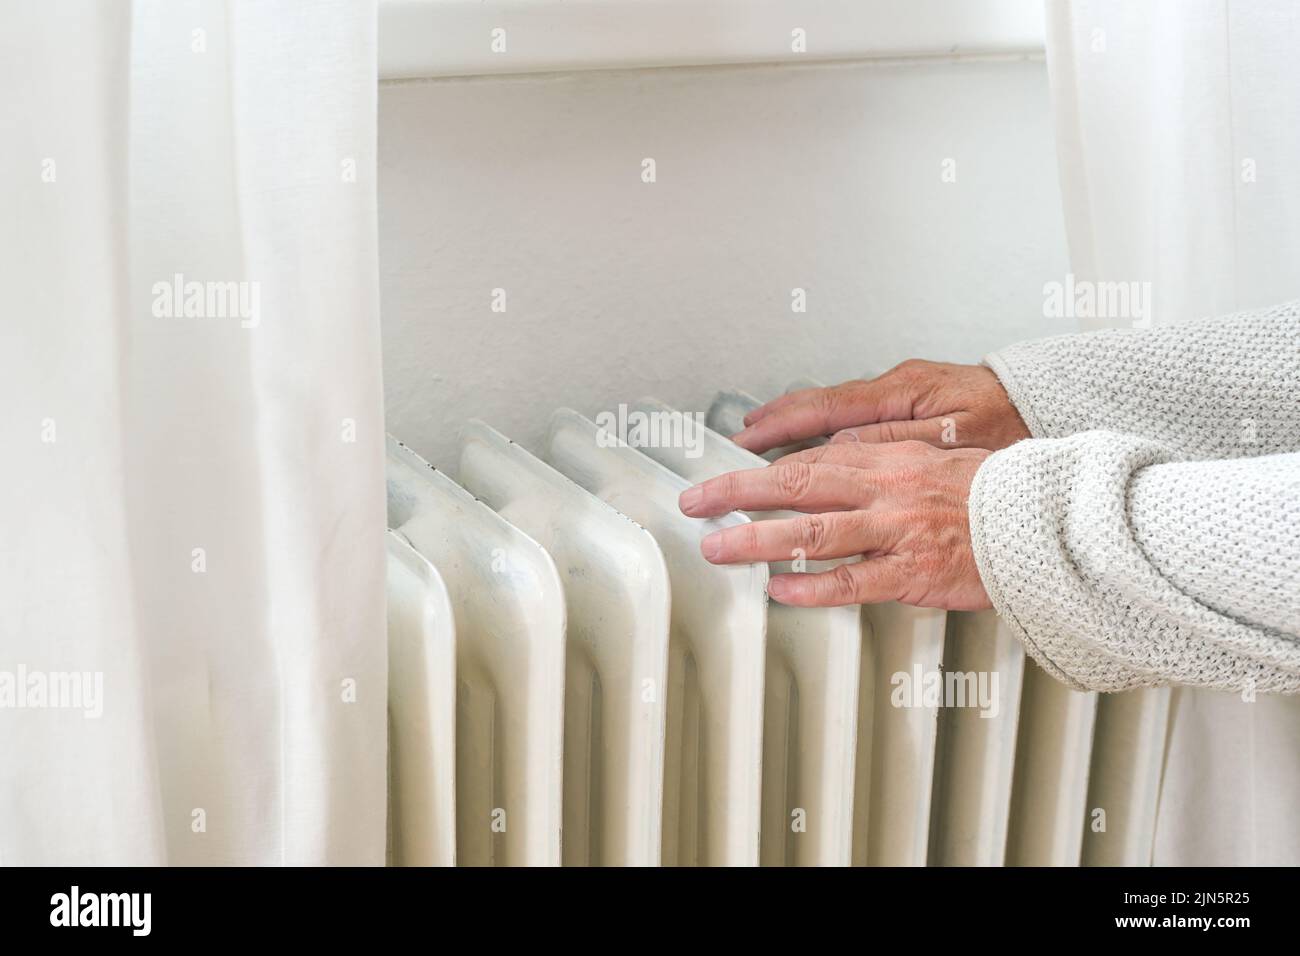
825	411
796	487
846	454
815	536
778	403
813	413
862	582
940	432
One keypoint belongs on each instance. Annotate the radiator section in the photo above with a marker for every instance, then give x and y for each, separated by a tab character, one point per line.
422	711
811	700
713	763
618	612
508	605
571	682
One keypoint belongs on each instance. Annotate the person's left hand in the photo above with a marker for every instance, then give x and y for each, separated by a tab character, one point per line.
902	506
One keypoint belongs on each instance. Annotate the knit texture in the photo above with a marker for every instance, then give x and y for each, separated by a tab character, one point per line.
1149	532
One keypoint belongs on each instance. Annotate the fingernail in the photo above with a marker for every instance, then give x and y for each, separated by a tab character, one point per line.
740	436
777	588
841	437
690	500
711	546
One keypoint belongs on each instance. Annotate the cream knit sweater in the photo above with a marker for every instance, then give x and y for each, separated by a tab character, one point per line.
1149	532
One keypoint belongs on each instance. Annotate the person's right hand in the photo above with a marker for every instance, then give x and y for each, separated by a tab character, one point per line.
949	406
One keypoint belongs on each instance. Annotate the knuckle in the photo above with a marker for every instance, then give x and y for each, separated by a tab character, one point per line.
892	431
825	401
793	480
841	583
911	368
811	533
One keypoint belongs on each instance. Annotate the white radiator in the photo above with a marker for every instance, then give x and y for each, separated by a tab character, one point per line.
571	682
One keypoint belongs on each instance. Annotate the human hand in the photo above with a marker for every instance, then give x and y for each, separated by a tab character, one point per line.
949	406
902	507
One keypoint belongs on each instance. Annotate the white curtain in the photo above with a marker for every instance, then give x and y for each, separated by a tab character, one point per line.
1178	132
192	510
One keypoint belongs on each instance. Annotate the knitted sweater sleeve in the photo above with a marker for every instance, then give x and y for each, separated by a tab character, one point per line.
1148	534
1217	388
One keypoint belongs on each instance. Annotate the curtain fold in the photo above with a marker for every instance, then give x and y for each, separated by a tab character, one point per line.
1177	142
193	502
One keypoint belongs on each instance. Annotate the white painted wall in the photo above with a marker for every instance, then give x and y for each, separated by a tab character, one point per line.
824	176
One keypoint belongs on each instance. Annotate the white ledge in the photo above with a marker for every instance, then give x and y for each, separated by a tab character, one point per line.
432	38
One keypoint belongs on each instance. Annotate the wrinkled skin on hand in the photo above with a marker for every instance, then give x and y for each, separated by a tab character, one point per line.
891	488
901	506
949	406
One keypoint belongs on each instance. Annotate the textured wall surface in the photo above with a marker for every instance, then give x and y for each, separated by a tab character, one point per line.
823	177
